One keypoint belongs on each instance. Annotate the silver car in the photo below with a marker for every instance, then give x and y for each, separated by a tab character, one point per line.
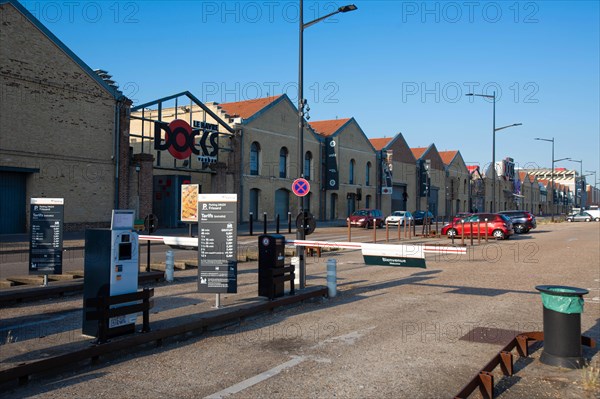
399	217
580	217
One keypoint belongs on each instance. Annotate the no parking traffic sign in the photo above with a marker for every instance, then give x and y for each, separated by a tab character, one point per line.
301	187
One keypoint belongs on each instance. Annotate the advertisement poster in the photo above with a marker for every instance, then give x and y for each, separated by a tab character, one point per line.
189	202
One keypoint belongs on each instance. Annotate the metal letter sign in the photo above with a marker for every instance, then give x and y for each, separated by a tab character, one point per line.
46	237
301	187
217	243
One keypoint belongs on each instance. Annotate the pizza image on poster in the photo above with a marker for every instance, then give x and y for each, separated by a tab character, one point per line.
189	202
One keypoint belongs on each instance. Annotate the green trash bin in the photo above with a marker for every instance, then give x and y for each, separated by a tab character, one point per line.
563	306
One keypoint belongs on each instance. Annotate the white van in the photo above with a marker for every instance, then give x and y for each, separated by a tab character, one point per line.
595	213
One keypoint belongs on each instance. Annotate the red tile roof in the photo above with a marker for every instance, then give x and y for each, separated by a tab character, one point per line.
246	109
472	168
418	151
447	156
327	128
379	143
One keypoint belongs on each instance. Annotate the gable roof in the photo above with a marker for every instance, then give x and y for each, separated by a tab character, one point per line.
380	143
113	91
328	127
447	156
418	151
248	108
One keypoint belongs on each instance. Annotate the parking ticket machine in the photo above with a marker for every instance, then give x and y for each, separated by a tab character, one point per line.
111	267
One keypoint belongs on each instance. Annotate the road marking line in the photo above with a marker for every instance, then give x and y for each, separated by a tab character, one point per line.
257	378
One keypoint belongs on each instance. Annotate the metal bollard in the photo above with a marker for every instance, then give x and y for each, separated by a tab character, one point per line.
331	277
169	266
471	228
289	222
250	221
277	223
349	232
375	231
387	232
486	230
462	233
264	222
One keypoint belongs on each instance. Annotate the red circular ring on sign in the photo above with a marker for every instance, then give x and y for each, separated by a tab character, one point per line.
301	187
180	138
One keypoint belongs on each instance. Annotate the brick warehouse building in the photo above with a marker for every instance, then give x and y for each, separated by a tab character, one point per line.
64	129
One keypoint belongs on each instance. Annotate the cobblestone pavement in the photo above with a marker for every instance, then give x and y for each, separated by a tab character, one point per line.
390	332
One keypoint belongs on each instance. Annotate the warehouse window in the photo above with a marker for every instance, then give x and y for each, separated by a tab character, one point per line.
283	159
254	158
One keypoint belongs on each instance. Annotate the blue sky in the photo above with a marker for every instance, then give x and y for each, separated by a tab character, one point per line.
395	66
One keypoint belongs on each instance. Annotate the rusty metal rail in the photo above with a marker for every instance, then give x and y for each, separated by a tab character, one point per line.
22	294
216	319
484	380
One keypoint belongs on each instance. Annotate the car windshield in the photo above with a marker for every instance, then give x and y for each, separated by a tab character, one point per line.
398	213
361	213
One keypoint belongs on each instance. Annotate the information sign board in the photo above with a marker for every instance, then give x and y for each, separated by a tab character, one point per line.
46	235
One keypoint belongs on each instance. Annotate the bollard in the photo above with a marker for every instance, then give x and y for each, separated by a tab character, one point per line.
169	266
289	222
387	232
349	232
399	234
462	233
375	231
478	233
264	222
250	221
486	230
562	325
277	223
471	228
331	278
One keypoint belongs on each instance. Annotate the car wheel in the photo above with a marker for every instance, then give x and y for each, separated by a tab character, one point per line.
519	228
597	219
498	234
588	220
451	233
569	220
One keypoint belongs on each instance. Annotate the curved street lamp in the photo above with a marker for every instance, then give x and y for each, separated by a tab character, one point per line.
301	103
494	130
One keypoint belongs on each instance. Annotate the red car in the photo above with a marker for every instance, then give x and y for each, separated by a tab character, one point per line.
366	218
498	226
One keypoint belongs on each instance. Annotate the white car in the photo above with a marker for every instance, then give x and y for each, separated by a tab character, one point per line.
595	213
398	217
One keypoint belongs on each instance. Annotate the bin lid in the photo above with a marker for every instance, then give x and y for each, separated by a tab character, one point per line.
561	290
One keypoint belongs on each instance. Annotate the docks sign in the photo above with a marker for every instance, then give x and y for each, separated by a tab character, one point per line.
180	139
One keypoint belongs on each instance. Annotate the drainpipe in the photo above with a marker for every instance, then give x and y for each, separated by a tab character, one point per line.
241	195
117	150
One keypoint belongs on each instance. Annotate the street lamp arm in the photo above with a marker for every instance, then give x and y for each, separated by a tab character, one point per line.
347	8
562	159
506	127
480	95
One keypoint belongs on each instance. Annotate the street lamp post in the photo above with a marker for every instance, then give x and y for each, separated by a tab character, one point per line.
553	162
552	184
494	130
301	103
581	179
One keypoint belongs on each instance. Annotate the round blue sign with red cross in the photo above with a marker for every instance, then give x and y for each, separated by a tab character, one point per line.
300	187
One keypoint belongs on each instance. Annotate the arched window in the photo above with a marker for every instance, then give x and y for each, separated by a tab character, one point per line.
465	187
307	165
368	201
368	175
254	158
283	158
351	172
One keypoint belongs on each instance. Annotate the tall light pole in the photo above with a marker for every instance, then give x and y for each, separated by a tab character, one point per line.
553	162
581	179
552	184
594	198
494	130
301	102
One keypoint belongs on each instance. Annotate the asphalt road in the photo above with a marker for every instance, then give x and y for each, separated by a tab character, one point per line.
389	333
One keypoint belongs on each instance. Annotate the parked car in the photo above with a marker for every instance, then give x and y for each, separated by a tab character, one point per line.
580	217
399	218
522	221
419	216
498	226
366	218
